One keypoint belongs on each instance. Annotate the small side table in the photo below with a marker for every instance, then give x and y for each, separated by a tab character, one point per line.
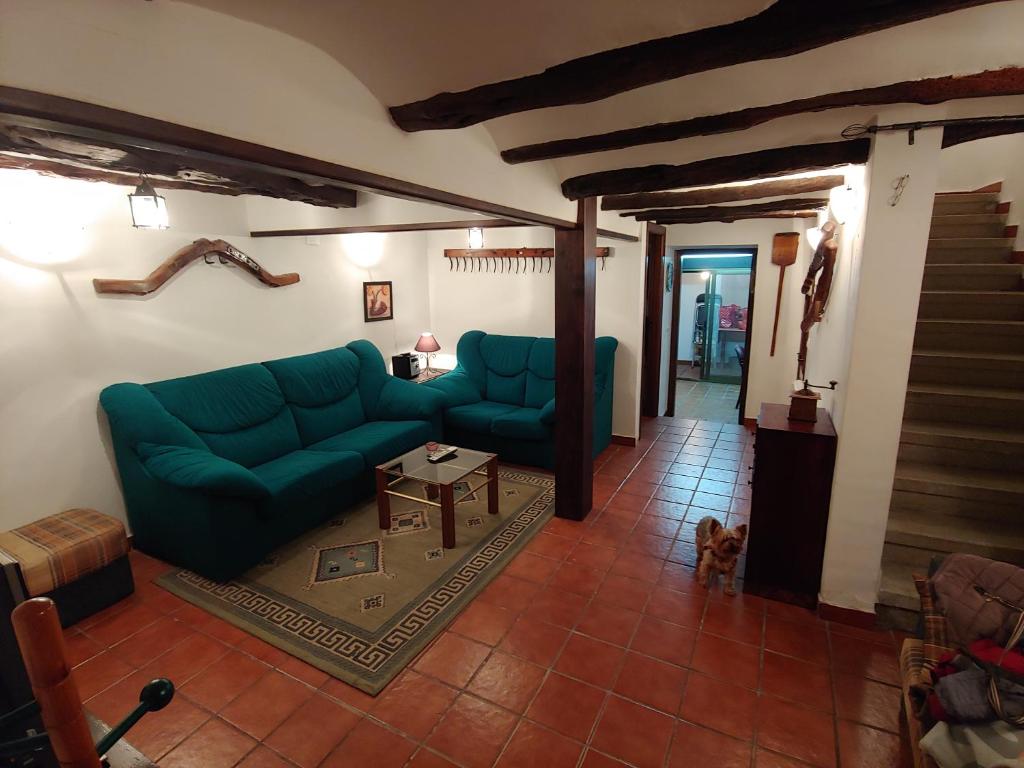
438	480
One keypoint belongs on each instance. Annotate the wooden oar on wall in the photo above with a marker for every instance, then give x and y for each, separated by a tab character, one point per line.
784	248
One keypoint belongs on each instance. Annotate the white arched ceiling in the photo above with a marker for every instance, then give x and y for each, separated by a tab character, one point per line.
406	50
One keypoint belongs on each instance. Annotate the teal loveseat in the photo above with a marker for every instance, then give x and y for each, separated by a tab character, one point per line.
501	396
219	468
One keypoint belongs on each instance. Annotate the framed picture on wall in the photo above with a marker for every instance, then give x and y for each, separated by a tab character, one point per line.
378	301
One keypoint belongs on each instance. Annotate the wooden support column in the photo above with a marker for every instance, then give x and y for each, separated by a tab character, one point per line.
575	279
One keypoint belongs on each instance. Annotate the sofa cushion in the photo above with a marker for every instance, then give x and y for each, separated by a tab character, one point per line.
506	389
378	441
321	390
303	473
240	412
521	424
476	417
202	470
505	358
540	376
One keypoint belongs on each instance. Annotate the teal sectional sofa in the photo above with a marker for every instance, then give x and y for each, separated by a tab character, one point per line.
220	468
501	396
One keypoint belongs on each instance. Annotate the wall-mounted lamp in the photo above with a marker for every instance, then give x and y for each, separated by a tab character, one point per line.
705	275
149	210
844	203
814	237
476	237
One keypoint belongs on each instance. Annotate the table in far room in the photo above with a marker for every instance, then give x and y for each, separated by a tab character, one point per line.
438	481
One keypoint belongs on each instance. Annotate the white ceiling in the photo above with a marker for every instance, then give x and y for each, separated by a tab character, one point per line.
404	50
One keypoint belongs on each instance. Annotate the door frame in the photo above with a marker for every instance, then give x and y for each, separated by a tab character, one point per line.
677	260
654	298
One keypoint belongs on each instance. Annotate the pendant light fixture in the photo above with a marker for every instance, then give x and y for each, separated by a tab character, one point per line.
149	210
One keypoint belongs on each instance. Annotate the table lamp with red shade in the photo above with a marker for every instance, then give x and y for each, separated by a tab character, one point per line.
428	345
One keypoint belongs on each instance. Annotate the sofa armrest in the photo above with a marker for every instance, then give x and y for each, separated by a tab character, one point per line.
457	388
547	413
200	470
402	400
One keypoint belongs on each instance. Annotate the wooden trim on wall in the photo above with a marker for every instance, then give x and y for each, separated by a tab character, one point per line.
654	297
79	118
673	351
849	616
629	442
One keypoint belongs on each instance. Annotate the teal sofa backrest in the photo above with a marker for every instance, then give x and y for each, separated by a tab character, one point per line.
322	390
239	413
520	370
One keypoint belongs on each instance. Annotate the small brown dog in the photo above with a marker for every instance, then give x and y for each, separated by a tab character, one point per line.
717	550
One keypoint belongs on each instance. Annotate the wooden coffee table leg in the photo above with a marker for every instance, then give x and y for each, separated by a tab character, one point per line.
448	515
432	492
383	500
492	486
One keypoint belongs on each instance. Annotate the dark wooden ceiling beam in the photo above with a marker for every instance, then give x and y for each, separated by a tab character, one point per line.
784	28
128	130
60	154
1001	82
711	218
761	164
422	226
711	195
789	204
960	134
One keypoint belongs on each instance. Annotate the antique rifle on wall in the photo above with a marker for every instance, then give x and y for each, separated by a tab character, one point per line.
200	249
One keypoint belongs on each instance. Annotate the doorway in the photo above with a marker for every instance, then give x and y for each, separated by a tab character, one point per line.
712	311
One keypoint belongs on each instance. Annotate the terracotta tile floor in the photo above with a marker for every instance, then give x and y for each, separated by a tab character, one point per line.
595	648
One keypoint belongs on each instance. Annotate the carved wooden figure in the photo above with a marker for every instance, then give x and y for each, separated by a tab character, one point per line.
815	289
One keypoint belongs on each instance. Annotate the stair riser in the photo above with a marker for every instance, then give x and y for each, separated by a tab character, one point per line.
965	410
1000	280
955	209
981	340
988	373
939	489
943	307
952	507
967	230
948	545
971	457
920	559
968	256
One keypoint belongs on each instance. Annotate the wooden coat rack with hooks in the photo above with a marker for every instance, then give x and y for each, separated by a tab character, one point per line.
200	249
511	261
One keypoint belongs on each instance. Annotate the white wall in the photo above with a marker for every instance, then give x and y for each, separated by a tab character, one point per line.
524	304
883	309
63	342
977	164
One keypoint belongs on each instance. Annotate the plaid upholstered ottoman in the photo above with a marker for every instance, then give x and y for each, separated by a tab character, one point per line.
78	558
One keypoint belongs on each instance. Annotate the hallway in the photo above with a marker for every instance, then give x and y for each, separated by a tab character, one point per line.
706	400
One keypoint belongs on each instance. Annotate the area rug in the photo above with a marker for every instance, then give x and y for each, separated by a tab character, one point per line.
359	602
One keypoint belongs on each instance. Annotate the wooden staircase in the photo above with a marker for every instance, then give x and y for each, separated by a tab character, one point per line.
959	484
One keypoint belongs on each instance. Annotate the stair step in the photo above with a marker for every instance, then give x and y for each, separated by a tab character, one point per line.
968	277
971	305
996	448
961	482
984	369
897	587
979	335
965	404
978	202
960	250
968	225
952	534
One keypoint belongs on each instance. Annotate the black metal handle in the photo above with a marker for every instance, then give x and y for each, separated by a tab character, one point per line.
154	696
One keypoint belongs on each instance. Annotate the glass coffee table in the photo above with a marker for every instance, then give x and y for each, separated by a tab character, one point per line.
438	481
